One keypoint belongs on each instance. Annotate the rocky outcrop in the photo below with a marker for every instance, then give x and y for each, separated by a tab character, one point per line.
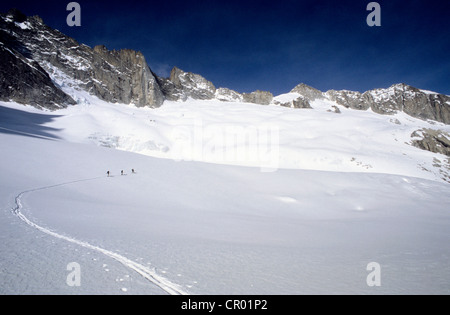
425	105
182	85
258	97
348	99
114	76
334	109
397	98
301	102
296	101
227	95
432	140
385	101
22	79
25	82
436	141
308	92
412	101
124	76
121	76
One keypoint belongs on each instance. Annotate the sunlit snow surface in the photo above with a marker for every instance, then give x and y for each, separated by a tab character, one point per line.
228	198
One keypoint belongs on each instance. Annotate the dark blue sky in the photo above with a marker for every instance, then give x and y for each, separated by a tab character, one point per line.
271	45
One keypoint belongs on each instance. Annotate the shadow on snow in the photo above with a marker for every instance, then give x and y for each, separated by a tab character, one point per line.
18	122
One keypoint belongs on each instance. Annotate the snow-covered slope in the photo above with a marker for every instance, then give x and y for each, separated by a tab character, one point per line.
270	137
291	201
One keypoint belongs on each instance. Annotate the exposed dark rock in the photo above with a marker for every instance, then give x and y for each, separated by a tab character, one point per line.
187	84
124	76
308	92
334	109
115	76
299	102
25	82
414	102
227	95
432	140
258	97
397	98
16	15
348	99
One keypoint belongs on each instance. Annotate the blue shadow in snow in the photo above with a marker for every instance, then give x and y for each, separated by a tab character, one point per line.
18	122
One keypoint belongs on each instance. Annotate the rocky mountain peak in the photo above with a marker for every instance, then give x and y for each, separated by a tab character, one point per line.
182	85
16	15
410	100
115	76
308	92
22	78
193	85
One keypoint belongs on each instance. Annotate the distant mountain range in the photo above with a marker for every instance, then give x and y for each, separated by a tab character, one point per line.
34	57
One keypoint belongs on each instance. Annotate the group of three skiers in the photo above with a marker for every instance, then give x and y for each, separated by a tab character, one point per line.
121	172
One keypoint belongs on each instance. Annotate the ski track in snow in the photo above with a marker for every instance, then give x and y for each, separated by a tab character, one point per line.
161	282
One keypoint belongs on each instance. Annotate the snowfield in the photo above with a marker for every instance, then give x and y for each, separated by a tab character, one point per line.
227	198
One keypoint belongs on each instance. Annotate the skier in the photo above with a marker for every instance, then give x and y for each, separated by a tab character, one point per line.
132	171
121	173
107	173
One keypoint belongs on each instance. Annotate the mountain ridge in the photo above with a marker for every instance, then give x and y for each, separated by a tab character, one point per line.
124	76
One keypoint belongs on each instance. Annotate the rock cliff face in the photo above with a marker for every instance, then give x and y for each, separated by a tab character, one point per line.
258	97
349	99
416	103
124	76
22	79
26	82
397	98
432	140
183	85
308	92
227	95
41	61
114	76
